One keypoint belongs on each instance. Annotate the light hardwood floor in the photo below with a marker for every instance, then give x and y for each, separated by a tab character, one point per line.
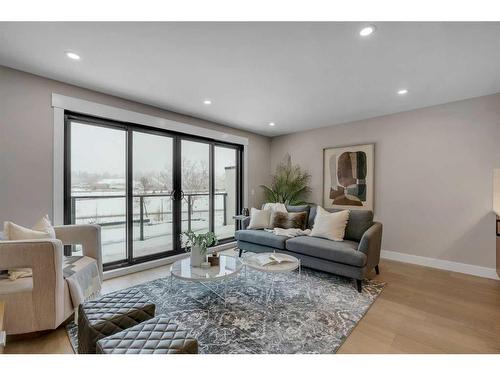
421	310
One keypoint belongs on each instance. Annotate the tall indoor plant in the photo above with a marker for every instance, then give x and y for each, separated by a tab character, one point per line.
289	185
198	244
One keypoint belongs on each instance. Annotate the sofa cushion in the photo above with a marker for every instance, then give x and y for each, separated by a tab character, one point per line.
358	224
345	252
261	237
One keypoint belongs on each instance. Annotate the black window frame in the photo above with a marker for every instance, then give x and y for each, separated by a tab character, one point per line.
177	138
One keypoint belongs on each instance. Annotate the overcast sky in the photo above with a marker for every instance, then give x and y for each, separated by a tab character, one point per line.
98	150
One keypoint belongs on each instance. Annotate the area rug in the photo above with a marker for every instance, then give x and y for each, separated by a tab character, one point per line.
313	313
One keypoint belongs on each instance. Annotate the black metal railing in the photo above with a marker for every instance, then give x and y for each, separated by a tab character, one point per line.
187	197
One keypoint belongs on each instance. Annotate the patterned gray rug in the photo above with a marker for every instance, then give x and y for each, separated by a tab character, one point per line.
313	314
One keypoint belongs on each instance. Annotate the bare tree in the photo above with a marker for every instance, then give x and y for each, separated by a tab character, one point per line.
146	184
195	178
164	179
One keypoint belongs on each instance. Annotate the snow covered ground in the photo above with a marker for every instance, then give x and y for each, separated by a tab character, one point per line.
157	237
157	229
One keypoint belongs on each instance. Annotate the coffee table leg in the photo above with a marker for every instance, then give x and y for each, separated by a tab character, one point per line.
300	269
225	291
271	288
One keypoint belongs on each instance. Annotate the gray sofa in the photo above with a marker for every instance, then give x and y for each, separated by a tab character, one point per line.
354	257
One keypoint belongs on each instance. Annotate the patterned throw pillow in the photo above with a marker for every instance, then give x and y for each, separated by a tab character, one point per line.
288	220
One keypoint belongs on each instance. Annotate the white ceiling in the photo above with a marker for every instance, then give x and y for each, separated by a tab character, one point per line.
298	75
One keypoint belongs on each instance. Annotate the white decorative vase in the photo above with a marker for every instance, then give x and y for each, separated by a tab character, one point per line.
197	258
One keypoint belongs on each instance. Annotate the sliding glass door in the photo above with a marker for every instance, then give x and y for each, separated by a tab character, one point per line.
145	186
152	167
97	184
195	186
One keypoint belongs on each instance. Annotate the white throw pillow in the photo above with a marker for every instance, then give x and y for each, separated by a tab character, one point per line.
12	232
42	229
330	225
259	219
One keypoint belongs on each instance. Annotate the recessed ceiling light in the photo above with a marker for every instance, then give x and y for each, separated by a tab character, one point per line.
272	124
402	92
72	55
207	102
367	30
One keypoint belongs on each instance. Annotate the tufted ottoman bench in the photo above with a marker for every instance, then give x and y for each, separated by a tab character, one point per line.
110	314
155	336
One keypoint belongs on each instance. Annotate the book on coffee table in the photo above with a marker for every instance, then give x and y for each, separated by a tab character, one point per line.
267	260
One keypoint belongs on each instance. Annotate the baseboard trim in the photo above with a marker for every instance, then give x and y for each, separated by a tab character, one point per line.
157	263
469	269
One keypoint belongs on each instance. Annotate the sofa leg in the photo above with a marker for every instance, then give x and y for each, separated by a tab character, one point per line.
377	271
358	285
241	252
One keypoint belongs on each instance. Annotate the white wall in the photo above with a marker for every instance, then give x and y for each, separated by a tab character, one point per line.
433	175
26	142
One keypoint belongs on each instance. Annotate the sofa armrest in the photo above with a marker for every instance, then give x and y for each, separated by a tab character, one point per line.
45	258
371	243
87	235
245	222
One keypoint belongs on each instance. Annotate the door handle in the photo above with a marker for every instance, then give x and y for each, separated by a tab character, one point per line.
174	195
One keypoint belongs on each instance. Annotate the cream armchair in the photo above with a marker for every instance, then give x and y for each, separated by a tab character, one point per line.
43	301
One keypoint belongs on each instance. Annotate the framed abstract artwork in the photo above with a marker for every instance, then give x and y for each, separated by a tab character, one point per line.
348	177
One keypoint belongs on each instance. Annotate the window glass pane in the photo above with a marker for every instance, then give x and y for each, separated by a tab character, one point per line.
195	185
98	188
225	191
152	204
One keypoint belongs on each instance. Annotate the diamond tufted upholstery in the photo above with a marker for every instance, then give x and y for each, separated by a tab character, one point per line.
110	314
156	336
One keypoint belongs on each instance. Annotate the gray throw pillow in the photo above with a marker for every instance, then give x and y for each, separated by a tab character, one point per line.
288	220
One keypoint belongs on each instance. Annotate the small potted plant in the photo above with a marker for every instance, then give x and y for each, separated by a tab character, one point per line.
198	244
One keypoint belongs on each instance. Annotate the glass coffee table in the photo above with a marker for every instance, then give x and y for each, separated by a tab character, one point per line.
228	267
289	264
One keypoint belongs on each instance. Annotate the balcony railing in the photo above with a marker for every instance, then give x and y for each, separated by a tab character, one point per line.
143	219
